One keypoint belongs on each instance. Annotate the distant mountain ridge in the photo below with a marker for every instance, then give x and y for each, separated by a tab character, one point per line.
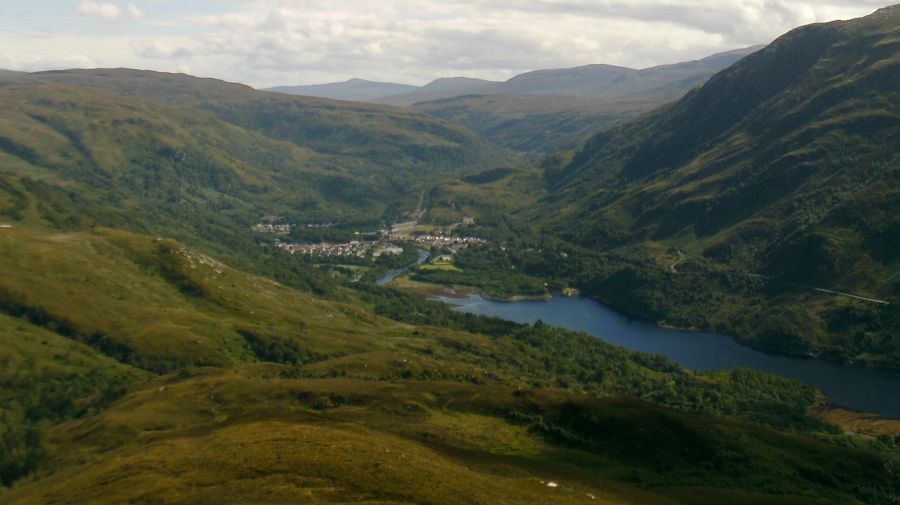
589	81
446	87
540	112
355	90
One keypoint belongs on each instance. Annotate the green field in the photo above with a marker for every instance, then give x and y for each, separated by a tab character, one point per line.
446	266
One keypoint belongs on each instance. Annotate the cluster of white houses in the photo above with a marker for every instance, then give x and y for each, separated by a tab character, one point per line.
356	248
453	243
284	229
361	248
277	229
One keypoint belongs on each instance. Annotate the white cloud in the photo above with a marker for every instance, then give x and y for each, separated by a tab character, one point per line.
134	12
32	53
99	10
108	11
161	50
297	41
36	63
267	42
54	63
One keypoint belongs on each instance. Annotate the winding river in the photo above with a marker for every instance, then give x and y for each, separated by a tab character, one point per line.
857	389
393	274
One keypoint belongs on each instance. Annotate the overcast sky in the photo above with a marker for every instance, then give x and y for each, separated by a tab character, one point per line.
271	42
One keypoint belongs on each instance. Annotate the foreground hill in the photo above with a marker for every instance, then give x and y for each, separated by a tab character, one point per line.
776	179
208	384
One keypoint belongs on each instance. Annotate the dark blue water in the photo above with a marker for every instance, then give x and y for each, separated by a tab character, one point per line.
855	388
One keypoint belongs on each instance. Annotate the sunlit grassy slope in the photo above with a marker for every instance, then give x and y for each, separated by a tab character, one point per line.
308	400
249	435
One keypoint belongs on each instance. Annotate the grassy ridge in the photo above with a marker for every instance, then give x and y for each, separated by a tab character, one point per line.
156	304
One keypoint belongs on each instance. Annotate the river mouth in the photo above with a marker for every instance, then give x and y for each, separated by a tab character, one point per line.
854	388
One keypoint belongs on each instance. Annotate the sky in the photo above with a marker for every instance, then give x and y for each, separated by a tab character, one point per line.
288	42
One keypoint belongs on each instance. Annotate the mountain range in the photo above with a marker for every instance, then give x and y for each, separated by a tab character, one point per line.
589	81
544	111
155	348
356	90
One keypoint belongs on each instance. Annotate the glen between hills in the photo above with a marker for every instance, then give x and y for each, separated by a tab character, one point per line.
754	205
538	112
154	351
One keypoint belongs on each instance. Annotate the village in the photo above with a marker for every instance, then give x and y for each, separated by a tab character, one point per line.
453	243
353	249
361	248
284	229
373	244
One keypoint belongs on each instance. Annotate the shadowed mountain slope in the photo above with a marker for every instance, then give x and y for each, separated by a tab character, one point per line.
784	166
535	124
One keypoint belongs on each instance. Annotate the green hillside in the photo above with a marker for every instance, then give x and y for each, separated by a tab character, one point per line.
778	176
154	350
536	124
397	145
180	369
75	156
